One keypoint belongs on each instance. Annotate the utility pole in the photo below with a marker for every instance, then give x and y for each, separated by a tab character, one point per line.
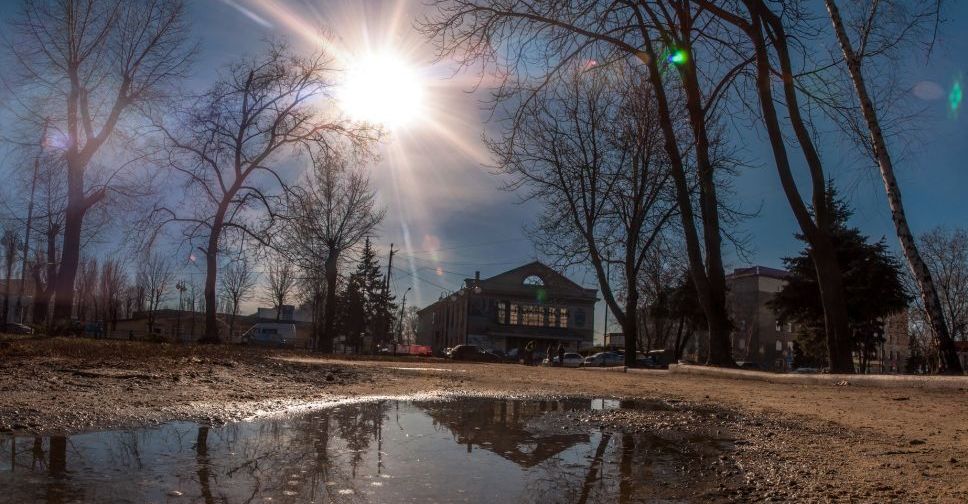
386	293
403	310
30	218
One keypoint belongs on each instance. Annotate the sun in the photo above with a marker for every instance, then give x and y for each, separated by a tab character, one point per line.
383	89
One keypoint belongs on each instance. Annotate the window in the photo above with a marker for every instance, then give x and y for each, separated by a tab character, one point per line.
563	317
514	315
779	346
779	326
533	315
533	280
502	312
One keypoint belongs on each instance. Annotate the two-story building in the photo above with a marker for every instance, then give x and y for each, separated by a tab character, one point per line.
529	303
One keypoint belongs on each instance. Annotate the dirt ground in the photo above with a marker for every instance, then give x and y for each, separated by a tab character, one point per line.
793	442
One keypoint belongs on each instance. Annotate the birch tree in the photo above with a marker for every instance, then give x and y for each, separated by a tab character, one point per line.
854	56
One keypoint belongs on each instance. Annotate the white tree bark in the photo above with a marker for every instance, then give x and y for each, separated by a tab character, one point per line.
919	269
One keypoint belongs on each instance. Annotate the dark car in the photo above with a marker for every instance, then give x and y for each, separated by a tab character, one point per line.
487	356
15	328
466	352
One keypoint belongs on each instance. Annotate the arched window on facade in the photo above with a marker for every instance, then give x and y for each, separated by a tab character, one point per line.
533	280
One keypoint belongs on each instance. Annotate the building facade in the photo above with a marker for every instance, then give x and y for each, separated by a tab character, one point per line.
529	303
758	336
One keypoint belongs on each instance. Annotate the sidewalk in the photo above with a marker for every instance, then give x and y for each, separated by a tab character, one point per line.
959	383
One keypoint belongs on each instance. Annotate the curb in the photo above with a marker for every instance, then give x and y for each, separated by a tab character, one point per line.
959	383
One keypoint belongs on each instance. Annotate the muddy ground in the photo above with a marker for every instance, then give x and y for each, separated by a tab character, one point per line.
792	442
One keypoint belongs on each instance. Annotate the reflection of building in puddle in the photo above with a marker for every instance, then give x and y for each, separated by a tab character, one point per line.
507	427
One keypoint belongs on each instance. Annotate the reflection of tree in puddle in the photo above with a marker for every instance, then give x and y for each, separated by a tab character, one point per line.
337	455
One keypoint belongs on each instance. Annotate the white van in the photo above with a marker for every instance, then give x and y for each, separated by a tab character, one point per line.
271	334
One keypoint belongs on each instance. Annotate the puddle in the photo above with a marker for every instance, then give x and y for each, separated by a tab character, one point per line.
461	450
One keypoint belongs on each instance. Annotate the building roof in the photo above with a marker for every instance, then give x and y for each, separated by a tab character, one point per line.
516	278
517	281
759	271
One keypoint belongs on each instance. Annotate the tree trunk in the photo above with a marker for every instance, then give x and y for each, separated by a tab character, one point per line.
720	352
832	297
718	326
919	269
6	290
325	345
817	234
630	327
70	257
211	274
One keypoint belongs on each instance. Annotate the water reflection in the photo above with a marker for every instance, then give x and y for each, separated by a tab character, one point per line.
469	450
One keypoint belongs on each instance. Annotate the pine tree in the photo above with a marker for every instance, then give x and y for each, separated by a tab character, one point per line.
872	281
368	308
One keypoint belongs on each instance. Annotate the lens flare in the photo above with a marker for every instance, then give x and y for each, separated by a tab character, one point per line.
678	56
955	97
382	89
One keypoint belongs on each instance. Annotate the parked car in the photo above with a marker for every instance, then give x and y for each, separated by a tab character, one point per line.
806	370
270	334
466	352
572	360
489	356
749	365
604	359
15	328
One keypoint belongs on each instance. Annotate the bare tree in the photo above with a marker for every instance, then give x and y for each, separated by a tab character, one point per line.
280	281
155	278
331	212
91	63
238	281
534	41
590	149
10	242
87	289
231	143
767	39
945	253
855	57
111	289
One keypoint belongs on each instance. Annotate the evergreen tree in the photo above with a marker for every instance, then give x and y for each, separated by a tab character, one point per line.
351	312
368	308
873	285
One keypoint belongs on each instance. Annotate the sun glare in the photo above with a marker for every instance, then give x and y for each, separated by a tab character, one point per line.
382	89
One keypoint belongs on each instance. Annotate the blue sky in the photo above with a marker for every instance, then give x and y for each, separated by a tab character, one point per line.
446	209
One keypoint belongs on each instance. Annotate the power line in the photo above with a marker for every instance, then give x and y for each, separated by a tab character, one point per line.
482	244
418	277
